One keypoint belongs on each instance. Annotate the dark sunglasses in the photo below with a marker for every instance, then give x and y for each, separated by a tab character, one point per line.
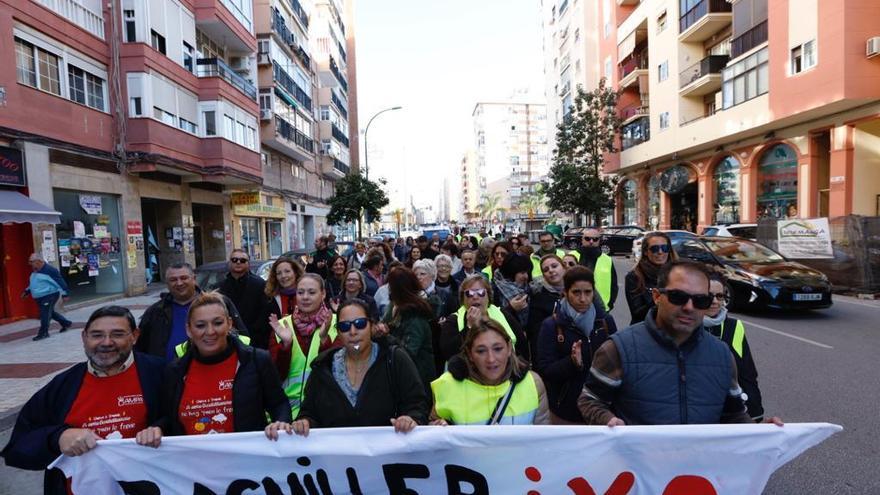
359	323
659	248
592	239
719	295
475	292
680	298
239	260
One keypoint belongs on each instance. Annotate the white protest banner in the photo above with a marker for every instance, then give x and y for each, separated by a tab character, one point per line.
804	239
546	460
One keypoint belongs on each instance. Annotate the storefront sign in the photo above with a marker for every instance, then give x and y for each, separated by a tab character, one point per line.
477	460
258	210
804	239
133	227
242	199
11	167
91	204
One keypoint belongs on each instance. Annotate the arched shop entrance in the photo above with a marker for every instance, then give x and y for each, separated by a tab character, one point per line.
680	183
630	201
726	188
653	216
777	183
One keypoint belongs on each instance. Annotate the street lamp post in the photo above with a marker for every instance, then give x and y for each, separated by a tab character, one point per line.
366	147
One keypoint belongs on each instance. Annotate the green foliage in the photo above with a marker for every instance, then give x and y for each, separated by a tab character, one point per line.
355	194
576	183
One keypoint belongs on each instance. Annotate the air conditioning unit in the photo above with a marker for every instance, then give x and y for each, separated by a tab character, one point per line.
265	114
240	64
872	48
263	59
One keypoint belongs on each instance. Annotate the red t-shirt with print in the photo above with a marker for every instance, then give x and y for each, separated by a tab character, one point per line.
206	402
111	406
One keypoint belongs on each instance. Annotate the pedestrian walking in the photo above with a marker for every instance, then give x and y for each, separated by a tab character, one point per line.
46	287
320	258
248	292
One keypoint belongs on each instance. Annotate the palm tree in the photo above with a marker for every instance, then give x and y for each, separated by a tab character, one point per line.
534	202
490	206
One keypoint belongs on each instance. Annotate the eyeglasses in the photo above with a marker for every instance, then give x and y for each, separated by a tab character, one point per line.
475	293
680	298
239	260
345	326
659	248
592	239
114	336
719	296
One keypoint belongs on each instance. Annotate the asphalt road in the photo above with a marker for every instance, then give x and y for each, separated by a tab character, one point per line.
817	366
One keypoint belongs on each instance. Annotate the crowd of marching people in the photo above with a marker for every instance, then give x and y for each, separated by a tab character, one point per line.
468	330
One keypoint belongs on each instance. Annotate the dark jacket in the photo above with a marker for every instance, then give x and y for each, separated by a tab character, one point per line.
55	274
256	391
590	262
449	295
639	302
541	306
372	285
324	255
451	337
412	331
34	441
746	372
249	295
391	388
562	378
460	275
155	325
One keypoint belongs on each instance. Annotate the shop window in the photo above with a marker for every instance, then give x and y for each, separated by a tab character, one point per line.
274	239
727	199
777	189
654	202
250	237
630	202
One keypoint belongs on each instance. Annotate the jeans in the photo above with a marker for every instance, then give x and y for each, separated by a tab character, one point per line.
48	313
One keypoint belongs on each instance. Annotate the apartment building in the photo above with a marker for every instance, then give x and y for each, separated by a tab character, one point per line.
473	188
774	111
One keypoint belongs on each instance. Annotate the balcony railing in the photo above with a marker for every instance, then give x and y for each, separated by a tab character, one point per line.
79	14
335	70
634	63
748	40
633	111
339	135
291	87
563	6
298	10
342	54
341	166
713	64
635	133
291	133
303	57
339	105
700	10
280	27
215	67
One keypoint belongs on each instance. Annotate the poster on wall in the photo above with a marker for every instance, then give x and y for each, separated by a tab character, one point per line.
101	231
804	238
79	229
133	227
64	252
91	204
48	246
92	261
188	240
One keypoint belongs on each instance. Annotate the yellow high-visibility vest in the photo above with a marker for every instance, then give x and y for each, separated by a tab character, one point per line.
465	402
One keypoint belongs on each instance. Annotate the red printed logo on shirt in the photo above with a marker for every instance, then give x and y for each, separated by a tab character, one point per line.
226	384
129	400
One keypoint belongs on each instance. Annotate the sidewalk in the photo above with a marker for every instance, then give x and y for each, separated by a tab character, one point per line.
25	365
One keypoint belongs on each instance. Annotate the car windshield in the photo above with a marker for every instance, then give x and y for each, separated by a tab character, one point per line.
710	231
747	232
739	250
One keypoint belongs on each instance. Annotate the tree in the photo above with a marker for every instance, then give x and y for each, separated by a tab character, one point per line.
490	206
576	183
355	196
532	203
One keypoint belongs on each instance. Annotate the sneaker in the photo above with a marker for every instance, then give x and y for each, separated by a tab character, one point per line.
40	337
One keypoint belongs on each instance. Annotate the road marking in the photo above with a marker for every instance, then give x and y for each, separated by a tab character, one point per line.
857	303
785	334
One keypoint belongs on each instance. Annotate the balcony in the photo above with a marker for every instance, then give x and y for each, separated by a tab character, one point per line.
291	140
292	89
303	57
339	135
76	12
563	7
635	133
279	26
703	20
631	69
215	67
633	112
749	40
342	107
703	77
335	70
224	22
341	166
300	13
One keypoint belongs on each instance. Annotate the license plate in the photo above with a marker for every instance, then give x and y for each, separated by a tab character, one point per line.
808	297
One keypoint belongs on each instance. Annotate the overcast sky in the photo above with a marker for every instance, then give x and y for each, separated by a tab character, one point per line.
437	60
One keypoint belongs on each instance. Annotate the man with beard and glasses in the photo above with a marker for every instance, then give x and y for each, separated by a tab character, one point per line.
591	256
667	369
114	394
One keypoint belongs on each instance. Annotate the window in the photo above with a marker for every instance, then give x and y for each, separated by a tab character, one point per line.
608	69
188	57
48	70
210	124
251	138
165	117
664	120
94	91
663	71
136	109
130	27
803	57
229	127
157	41
325	112
745	79
577	34
76	83
25	63
187	126
661	22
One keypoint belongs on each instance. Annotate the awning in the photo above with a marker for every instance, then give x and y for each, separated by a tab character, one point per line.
626	47
18	208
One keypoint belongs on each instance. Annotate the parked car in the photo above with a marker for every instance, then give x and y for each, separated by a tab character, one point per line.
210	275
344	248
759	277
300	255
744	230
572	238
675	236
443	232
619	238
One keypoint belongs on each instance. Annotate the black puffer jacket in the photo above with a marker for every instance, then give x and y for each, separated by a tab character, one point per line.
391	388
249	295
256	391
639	301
